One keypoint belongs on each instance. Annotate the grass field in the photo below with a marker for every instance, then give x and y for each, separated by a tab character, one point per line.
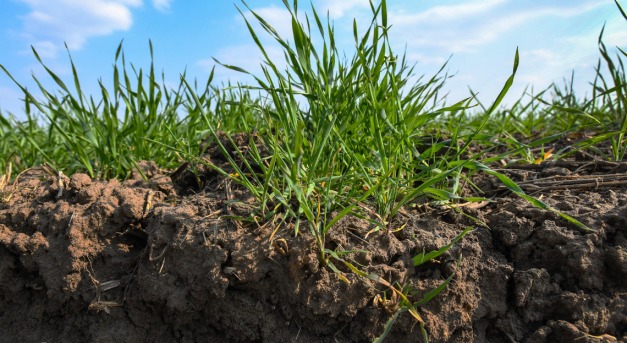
330	136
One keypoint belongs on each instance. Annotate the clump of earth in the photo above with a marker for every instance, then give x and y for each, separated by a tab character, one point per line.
166	259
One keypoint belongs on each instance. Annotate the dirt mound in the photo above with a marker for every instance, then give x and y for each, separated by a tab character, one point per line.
138	261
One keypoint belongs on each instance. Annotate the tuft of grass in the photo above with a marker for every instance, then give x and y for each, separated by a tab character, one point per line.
137	118
346	132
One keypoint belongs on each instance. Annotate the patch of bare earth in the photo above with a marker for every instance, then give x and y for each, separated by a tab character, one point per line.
143	261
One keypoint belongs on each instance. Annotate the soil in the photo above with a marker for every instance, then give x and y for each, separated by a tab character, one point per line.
168	260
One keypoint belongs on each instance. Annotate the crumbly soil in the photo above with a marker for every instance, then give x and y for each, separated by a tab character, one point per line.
169	260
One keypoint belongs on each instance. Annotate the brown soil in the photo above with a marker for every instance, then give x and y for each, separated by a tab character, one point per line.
152	261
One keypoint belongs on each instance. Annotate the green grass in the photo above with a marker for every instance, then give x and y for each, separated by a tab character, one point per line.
340	135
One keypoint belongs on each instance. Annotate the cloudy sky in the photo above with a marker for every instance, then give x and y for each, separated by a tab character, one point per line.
554	38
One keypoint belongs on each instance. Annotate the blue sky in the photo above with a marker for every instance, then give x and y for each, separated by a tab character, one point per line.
554	37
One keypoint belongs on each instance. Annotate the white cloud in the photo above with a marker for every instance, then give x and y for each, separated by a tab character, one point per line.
45	48
440	14
425	58
466	27
613	35
51	23
488	33
615	39
133	3
544	56
454	28
74	21
162	5
338	9
278	17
